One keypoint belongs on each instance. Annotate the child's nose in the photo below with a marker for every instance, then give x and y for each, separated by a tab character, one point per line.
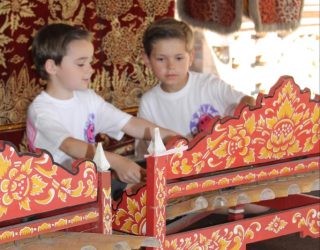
171	64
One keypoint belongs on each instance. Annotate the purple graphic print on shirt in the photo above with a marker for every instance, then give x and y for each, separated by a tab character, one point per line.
201	118
89	130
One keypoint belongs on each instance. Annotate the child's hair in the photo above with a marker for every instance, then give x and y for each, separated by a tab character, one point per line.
164	29
51	42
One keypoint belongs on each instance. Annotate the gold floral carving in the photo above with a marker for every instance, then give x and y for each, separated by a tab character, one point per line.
134	214
283	129
155	9
226	239
113	8
15	96
57	224
276	225
29	184
16	11
160	208
107	213
310	221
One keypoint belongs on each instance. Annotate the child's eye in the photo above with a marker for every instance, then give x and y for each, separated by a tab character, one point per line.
80	64
160	59
179	58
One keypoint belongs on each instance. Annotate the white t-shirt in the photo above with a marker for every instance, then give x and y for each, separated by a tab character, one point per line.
50	121
204	95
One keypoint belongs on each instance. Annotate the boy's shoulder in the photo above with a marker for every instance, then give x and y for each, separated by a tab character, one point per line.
202	78
43	99
151	92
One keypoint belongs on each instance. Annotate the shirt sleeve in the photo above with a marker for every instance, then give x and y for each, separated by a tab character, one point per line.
110	120
141	145
144	111
45	131
226	96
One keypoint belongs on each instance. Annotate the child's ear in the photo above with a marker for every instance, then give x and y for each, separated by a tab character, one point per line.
50	66
191	53
146	59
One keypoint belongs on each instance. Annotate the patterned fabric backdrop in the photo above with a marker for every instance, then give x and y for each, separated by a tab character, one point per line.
117	27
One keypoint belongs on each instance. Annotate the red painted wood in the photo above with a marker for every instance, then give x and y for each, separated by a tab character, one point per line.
32	184
237	234
283	125
242	176
104	203
295	200
49	224
277	138
156	197
39	196
129	214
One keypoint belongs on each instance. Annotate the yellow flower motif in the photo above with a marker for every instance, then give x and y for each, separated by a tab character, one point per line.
196	157
282	140
43	227
192	185
316	128
185	167
76	219
237	144
20	184
4	165
135	216
276	225
6	235
61	223
223	243
26	231
311	221
208	183
15	10
174	189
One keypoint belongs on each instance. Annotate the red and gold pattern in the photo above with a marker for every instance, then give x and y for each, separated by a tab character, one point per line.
236	236
309	222
31	183
130	215
284	124
160	212
246	176
271	138
8	234
107	211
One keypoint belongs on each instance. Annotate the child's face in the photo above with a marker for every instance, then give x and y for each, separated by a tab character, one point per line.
75	70
170	62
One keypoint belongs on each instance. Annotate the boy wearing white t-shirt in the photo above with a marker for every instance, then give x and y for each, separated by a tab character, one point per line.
183	101
65	118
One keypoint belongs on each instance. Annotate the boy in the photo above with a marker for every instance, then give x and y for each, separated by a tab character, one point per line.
65	118
183	101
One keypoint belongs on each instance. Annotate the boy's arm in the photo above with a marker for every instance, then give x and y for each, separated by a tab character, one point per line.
127	170
140	128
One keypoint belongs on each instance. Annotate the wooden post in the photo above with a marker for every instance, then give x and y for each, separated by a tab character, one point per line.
156	198
104	198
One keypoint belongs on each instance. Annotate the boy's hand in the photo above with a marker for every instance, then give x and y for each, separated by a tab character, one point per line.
128	171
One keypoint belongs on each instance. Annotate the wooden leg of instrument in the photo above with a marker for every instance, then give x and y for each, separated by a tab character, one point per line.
236	213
